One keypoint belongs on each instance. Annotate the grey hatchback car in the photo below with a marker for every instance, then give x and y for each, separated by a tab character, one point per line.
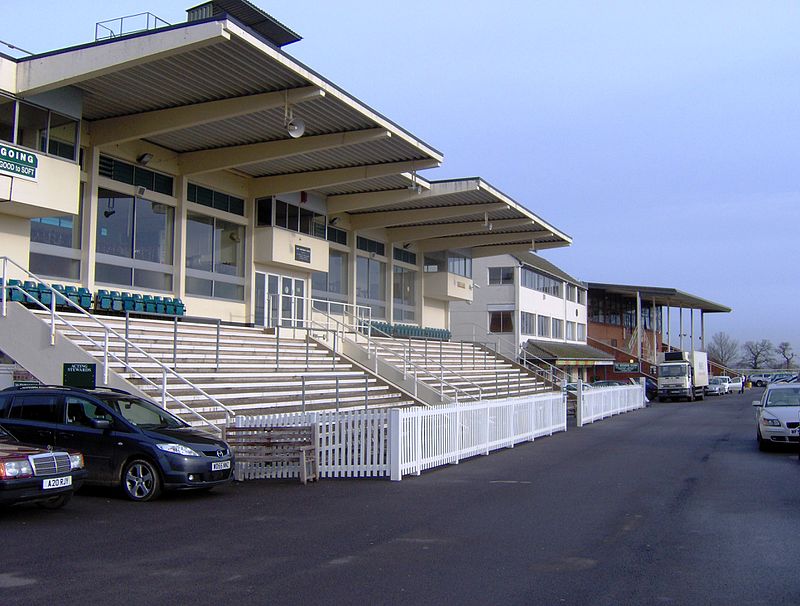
127	441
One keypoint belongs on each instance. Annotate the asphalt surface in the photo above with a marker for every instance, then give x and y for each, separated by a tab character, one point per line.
673	504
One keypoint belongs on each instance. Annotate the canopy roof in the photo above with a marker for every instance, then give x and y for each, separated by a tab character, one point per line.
449	214
569	354
667	297
215	93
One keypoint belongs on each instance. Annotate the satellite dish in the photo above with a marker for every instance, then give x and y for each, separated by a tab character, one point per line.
296	128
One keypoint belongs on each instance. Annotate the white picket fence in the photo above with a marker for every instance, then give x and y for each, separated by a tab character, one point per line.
352	444
396	442
601	402
442	435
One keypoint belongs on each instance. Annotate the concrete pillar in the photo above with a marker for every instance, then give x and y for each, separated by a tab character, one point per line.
702	330
680	328
691	328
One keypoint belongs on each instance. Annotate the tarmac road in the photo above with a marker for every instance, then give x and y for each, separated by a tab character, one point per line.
673	504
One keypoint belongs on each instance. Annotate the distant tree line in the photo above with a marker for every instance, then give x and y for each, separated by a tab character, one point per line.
726	351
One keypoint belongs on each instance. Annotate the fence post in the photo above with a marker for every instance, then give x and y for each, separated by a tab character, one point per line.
579	404
5	283
457	435
303	393
127	333
486	418
52	316
395	444
643	384
219	329
175	342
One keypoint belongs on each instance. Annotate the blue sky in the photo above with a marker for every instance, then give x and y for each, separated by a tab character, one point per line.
662	136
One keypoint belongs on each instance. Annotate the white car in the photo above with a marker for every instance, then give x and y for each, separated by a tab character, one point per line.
778	415
725	381
716	387
735	385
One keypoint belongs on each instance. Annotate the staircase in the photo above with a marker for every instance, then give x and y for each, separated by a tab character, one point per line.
246	369
465	368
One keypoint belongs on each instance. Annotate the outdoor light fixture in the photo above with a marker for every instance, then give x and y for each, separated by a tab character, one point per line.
294	126
414	186
333	221
110	210
144	159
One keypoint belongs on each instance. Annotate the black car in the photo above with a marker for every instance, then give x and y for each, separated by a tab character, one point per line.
126	441
29	474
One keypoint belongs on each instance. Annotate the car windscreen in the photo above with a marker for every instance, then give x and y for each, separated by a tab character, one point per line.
142	413
673	370
784	397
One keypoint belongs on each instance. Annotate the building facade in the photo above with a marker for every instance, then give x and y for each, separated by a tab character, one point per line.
201	161
522	301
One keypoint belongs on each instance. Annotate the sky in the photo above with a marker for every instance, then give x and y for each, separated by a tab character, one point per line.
662	136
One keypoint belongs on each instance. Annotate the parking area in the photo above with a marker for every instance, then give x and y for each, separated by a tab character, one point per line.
673	504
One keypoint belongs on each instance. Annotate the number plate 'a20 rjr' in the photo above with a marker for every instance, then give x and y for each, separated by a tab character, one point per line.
62	482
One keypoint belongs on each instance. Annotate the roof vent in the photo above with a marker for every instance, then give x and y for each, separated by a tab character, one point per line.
248	15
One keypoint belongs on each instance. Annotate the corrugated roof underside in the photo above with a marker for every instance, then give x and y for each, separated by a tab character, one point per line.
219	71
370	185
380	151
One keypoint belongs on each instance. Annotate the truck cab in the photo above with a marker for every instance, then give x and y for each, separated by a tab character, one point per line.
682	375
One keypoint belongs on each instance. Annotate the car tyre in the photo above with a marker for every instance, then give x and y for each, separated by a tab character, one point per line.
56	502
763	445
141	480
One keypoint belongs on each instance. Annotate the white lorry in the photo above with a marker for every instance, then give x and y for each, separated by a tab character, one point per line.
682	374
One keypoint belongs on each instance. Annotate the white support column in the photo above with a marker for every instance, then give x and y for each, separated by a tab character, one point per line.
702	330
179	246
680	333
669	314
395	444
639	328
691	328
89	218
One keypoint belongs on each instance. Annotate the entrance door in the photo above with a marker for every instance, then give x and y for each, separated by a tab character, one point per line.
280	300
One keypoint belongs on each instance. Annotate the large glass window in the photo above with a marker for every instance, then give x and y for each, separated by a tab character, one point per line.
404	294
32	127
558	329
501	321
134	241
501	275
459	265
214	258
570	331
543	326
371	246
8	109
371	285
331	285
581	332
135	175
37	128
215	199
527	323
537	281
55	246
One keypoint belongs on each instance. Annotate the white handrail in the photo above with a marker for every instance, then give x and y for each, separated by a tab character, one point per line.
106	353
522	352
407	362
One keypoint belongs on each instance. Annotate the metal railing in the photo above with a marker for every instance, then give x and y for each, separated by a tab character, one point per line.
543	369
108	331
129	24
342	331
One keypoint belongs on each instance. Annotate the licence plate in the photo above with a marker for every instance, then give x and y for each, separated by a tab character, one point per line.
57	482
220	465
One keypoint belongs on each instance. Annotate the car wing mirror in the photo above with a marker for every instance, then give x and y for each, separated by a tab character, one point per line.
101	423
757	403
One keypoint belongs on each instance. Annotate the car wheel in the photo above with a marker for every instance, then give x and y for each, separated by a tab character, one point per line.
140	480
56	502
762	443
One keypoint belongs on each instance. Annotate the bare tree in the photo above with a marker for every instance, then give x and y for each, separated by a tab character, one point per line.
784	349
757	354
723	349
